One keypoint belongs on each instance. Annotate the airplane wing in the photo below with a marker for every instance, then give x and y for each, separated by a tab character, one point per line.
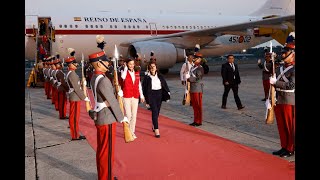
205	36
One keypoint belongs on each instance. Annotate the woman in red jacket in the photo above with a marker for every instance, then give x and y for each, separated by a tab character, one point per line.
132	91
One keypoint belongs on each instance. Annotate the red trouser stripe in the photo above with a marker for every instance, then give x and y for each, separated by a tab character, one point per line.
74	118
285	116
196	99
266	87
62	104
105	149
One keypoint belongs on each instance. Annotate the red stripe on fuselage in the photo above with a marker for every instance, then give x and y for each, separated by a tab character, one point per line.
111	32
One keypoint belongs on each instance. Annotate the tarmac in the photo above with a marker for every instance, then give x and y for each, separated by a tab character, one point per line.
50	154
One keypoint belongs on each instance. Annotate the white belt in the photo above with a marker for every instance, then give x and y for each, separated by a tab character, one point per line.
99	106
285	90
70	90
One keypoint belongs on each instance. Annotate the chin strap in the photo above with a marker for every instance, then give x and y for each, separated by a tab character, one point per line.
287	55
103	64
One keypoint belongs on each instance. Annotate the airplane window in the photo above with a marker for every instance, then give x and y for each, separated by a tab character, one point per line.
76	26
70	26
110	26
175	27
124	26
133	27
147	27
101	26
190	27
86	26
60	26
96	26
129	26
138	26
163	27
167	27
201	27
182	27
91	26
179	27
65	26
115	26
198	27
186	27
171	27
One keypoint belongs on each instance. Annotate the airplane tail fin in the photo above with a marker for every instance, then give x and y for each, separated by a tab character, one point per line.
276	8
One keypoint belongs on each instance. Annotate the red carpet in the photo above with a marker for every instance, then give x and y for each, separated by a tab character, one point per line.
186	153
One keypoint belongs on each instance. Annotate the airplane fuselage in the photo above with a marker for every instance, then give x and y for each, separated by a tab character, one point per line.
79	32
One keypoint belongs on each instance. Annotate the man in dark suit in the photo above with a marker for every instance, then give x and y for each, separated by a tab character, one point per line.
231	80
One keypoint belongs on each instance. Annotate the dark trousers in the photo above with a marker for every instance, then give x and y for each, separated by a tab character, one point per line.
234	88
266	87
155	105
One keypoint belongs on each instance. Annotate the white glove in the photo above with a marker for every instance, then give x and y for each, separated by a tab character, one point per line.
259	61
147	105
169	93
86	99
142	99
120	93
167	100
125	119
187	76
268	104
85	83
273	80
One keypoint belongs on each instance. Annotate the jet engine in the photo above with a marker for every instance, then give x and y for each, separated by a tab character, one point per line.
167	54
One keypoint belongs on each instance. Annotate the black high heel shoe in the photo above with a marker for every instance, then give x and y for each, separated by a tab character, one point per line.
156	133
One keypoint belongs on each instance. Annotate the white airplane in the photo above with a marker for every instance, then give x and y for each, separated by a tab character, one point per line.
167	35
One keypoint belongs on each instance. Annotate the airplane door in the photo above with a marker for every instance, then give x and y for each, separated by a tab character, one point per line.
153	29
31	24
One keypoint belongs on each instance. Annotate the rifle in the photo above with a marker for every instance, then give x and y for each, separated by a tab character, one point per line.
126	130
84	87
186	97
272	94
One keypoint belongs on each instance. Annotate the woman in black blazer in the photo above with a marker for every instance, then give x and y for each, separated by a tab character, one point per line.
155	90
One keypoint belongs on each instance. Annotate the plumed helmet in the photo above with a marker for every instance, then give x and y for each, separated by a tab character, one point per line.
98	56
196	48
71	51
288	47
197	54
100	41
